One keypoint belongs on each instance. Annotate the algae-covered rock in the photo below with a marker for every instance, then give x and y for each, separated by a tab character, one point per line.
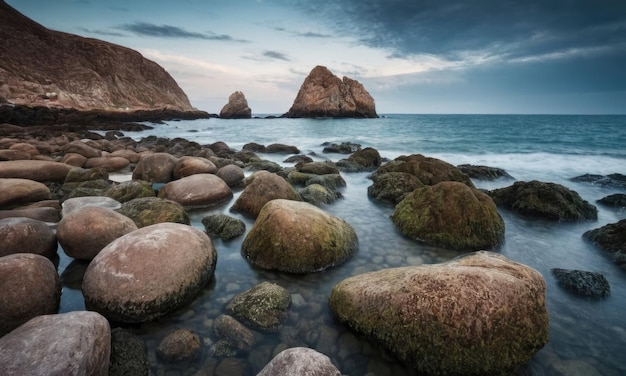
583	283
392	187
297	237
480	314
544	200
146	211
130	190
429	171
317	195
264	186
450	215
223	226
263	307
611	239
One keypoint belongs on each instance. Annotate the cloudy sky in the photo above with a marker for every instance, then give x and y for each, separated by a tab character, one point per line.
413	56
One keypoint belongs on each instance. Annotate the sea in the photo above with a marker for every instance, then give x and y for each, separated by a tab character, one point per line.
587	337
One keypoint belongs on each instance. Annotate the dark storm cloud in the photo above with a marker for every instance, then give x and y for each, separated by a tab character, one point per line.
508	28
169	31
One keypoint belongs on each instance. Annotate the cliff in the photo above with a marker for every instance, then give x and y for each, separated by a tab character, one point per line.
42	67
325	95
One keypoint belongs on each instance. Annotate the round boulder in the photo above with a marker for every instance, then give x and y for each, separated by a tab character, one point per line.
35	170
25	235
146	211
429	171
300	361
476	315
197	190
450	215
149	272
155	168
223	226
129	190
17	191
29	287
264	186
108	163
544	200
263	307
193	165
297	237
179	346
73	344
84	232
583	283
232	174
392	187
611	239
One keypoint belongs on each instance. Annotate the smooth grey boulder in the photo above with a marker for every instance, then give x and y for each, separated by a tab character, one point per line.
300	361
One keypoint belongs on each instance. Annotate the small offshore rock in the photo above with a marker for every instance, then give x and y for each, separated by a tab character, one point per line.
281	149
392	187
611	180
181	345
300	361
236	108
583	283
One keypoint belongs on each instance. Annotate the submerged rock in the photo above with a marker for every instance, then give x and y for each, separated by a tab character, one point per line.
450	215
297	237
223	226
475	315
589	284
181	345
612	240
128	354
263	307
544	200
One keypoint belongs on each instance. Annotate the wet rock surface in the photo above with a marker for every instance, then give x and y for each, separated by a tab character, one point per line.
611	239
588	284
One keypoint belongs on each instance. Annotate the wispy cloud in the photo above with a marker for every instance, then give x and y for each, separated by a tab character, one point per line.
101	32
305	34
268	55
170	31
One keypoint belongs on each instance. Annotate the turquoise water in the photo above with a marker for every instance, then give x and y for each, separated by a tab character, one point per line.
585	335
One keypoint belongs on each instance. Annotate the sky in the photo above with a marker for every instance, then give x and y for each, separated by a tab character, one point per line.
413	56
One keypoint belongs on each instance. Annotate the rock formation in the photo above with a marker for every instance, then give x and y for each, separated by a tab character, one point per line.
236	108
42	67
325	95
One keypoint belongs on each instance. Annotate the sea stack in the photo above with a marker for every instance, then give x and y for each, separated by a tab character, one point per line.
325	95
236	108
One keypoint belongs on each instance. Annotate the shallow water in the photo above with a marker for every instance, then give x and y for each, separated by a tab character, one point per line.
584	334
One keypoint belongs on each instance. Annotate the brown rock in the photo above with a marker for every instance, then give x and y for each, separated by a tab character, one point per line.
187	165
44	214
35	170
131	155
50	68
264	187
29	287
325	95
197	190
82	148
232	174
25	235
14	155
25	147
236	108
72	344
74	159
155	168
84	232
110	164
429	171
17	191
179	346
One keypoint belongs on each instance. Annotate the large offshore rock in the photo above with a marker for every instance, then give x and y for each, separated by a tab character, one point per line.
450	215
72	344
25	235
429	171
300	361
297	237
323	94
544	200
197	190
236	108
149	272
264	187
29	287
475	315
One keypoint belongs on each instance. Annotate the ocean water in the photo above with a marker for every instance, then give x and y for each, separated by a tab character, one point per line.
586	336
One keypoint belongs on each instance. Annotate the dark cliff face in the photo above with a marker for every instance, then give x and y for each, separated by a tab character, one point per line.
325	95
39	66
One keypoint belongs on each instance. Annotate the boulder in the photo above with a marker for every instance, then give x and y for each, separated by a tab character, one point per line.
450	215
300	361
236	108
429	171
84	232
128	354
232	174
318	195
155	168
43	214
79	175
130	155
19	191
181	345
74	159
475	315
332	182
367	159
483	172
149	272
197	190
29	287
544	200
146	211
72	344
187	165
583	283
617	200
263	307
318	168
25	147
25	235
297	237
264	186
14	155
323	94
108	163
77	203
42	171
281	149
611	180
238	336
130	190
611	239
392	187
80	147
223	226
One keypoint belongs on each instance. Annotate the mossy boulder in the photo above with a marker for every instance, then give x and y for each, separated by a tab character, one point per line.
450	215
223	226
317	195
367	159
429	171
263	187
130	190
148	211
483	172
544	200
392	187
480	314
263	307
297	237
611	239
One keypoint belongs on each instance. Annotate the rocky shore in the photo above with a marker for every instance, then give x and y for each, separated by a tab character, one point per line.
143	261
